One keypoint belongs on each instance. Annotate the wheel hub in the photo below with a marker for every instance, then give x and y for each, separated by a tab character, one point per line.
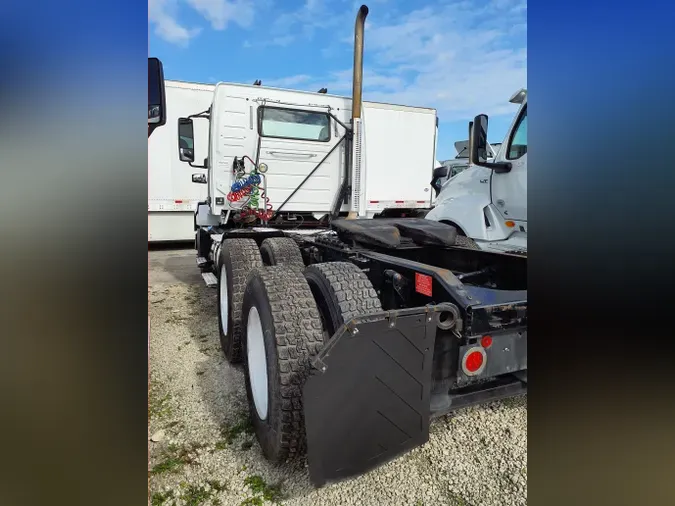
224	303
257	362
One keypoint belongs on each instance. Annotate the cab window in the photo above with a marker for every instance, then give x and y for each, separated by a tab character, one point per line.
294	124
518	145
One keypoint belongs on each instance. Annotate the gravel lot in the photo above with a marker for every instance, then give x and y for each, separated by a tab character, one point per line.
202	451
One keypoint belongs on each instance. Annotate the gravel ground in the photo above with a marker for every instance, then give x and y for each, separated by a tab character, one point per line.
201	447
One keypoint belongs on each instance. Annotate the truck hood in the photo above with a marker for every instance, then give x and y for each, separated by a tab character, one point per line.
466	182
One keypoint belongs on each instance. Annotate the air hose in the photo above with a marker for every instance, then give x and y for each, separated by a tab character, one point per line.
249	186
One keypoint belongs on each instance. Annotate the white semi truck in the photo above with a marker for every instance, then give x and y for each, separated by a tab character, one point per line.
312	163
456	165
353	331
488	201
172	196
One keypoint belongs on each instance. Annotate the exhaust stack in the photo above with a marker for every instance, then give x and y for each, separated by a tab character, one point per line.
355	174
357	84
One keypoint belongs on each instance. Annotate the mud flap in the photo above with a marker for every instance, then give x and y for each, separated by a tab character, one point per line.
367	400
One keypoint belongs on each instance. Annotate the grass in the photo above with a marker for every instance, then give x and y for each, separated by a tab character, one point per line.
194	495
229	433
160	498
262	491
252	501
159	401
191	495
176	457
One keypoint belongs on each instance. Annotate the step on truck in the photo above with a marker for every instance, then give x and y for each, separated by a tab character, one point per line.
354	332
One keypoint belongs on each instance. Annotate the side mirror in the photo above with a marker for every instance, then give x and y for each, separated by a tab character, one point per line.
199	178
478	142
479	148
156	95
438	174
186	140
441	171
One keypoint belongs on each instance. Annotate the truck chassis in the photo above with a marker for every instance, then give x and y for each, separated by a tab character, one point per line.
353	337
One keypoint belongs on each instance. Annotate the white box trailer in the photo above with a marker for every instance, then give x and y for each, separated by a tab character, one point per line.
172	196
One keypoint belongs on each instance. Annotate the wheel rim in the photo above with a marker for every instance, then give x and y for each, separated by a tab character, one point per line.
257	362
224	304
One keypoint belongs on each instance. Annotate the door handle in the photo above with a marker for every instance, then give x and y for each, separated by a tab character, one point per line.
288	153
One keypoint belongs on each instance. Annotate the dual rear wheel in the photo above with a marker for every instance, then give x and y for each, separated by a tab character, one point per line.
275	315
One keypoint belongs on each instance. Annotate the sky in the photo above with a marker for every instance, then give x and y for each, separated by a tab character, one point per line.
462	58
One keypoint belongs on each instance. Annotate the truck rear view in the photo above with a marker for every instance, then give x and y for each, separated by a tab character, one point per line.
353	332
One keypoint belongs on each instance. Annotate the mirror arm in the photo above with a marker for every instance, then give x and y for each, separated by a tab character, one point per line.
204	114
498	167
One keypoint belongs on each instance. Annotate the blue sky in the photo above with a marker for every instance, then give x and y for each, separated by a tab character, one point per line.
461	57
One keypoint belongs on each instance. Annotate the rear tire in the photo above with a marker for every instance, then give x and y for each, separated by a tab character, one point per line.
283	330
342	291
281	251
237	258
461	239
466	242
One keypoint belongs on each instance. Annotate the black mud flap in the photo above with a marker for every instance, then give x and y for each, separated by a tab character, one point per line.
367	401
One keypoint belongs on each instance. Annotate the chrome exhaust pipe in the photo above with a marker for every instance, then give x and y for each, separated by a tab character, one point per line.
354	175
357	83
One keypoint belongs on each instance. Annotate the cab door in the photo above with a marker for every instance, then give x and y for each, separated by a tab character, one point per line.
509	189
295	141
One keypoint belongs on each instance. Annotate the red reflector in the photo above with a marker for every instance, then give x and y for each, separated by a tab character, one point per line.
486	342
400	201
423	284
374	201
421	201
473	361
177	201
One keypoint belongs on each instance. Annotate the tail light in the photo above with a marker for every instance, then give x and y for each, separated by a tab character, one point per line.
474	360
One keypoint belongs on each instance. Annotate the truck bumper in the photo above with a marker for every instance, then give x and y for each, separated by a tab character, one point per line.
374	389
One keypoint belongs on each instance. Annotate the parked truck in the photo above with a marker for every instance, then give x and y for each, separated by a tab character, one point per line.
353	332
448	169
172	196
488	202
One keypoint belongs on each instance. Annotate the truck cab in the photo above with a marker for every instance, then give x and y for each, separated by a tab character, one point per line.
488	201
449	169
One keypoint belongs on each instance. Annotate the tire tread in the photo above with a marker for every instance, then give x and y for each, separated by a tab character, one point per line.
283	251
244	256
298	336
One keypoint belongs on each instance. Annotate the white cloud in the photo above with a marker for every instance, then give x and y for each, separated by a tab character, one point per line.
162	13
313	15
282	41
219	13
462	59
287	82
